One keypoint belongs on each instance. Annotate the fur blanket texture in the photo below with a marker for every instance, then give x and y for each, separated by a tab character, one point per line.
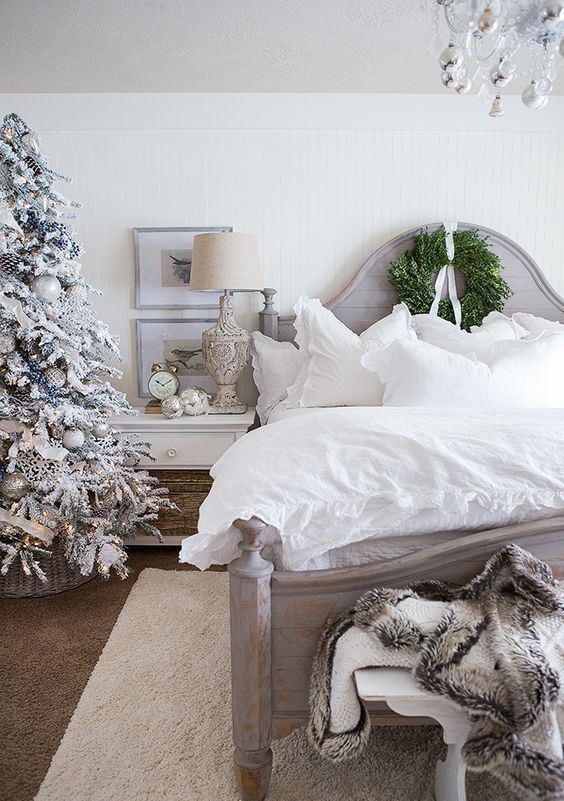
494	647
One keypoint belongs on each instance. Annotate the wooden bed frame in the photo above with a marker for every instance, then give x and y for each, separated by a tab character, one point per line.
277	617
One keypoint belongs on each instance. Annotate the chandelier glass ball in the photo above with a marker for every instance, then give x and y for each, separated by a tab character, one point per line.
491	44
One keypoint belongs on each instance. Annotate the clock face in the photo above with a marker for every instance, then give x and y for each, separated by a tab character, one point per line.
163	384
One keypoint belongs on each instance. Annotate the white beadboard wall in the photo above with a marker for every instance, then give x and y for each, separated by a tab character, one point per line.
322	180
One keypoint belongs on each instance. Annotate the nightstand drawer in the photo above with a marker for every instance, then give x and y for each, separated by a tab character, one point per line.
175	451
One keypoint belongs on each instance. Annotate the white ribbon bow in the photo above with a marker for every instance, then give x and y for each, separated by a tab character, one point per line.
447	271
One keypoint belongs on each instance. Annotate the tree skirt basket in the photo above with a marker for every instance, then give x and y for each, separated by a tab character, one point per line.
60	577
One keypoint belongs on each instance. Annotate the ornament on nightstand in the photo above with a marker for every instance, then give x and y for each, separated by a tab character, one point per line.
73	438
7	343
14	486
55	376
100	430
195	401
172	407
46	287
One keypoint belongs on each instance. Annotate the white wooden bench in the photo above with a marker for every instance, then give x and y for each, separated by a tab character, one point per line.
399	690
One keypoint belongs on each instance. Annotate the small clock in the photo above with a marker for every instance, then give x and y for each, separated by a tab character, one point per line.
163	382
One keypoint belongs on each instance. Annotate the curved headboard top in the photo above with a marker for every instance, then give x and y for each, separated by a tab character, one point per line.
370	295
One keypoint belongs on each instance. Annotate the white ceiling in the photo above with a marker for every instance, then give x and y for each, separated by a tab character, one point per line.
216	45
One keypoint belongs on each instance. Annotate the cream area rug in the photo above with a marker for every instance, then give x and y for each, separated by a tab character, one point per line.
153	723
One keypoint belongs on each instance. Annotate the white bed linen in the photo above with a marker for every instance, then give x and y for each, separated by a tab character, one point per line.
326	478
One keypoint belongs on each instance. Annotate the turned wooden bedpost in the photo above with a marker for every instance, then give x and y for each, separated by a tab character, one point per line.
268	317
249	587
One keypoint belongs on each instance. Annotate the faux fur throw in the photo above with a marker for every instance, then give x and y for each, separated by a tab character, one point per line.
495	647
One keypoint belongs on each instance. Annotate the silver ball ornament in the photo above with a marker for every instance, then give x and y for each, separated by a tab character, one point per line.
46	287
561	48
14	486
451	58
463	87
56	376
77	292
532	99
31	142
195	401
551	12
448	79
498	79
72	439
172	407
7	343
100	430
487	22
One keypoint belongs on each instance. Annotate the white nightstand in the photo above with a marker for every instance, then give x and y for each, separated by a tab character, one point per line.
190	444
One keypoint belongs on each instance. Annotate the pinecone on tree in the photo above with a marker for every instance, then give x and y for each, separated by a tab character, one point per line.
9	263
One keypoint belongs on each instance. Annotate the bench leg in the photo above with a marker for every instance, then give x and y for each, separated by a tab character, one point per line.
450	778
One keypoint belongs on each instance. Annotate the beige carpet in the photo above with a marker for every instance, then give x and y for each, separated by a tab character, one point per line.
153	723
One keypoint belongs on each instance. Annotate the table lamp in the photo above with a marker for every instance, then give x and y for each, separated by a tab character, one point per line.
226	261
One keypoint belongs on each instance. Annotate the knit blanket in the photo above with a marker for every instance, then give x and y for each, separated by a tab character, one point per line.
494	647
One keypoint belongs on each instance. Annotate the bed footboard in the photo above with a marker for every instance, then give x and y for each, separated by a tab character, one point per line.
251	648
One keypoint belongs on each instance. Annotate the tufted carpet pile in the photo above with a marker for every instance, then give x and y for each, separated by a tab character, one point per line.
154	719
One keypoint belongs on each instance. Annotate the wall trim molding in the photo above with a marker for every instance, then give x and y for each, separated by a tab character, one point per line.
163	111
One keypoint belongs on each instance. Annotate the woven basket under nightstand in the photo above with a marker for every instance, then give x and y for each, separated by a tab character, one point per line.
60	577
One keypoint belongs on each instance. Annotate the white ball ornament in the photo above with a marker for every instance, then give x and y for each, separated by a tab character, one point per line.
532	99
46	287
100	430
73	438
195	401
172	408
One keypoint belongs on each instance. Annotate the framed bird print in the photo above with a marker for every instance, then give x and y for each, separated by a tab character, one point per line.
175	343
163	260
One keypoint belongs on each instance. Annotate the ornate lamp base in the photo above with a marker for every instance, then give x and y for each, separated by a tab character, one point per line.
226	349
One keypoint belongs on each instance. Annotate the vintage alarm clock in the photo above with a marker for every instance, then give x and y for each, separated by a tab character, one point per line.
163	383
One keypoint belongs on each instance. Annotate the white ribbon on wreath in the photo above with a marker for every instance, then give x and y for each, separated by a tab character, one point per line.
447	273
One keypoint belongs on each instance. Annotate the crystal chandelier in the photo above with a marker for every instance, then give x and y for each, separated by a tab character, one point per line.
484	40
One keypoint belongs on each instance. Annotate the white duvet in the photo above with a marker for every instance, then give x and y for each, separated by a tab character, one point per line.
329	478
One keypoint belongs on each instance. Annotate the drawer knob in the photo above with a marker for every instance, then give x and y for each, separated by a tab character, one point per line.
172	452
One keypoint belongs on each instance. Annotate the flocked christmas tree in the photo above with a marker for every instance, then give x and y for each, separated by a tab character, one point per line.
64	474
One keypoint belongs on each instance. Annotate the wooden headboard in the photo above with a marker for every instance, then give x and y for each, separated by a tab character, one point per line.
370	295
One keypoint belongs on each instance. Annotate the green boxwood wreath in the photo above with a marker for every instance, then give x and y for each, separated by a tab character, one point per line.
413	275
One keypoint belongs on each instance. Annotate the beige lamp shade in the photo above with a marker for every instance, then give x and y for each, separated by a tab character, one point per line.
226	260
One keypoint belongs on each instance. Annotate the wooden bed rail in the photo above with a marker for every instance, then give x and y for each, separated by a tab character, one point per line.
438	561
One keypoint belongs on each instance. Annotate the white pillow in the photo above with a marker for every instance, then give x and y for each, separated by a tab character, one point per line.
445	334
518	373
333	375
536	325
528	323
275	367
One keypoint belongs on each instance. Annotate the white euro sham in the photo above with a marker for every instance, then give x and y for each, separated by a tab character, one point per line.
511	373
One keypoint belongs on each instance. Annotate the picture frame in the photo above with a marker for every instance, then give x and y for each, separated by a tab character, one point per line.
164	341
162	268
